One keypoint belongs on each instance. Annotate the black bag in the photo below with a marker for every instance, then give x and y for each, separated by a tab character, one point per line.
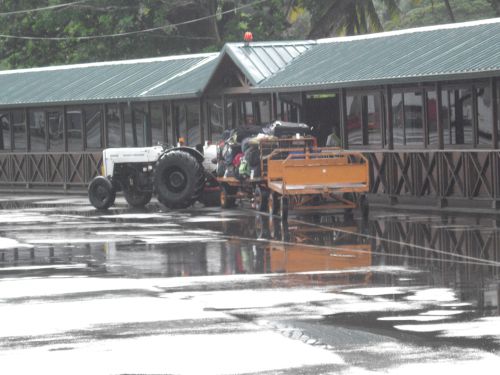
229	152
246	131
252	157
287	129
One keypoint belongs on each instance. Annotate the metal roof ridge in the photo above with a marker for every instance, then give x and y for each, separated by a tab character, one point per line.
272	43
383	34
110	63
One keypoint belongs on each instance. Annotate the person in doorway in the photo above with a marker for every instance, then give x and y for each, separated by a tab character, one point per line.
333	140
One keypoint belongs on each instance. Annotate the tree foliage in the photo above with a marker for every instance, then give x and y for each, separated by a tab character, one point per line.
347	17
174	32
168	27
432	12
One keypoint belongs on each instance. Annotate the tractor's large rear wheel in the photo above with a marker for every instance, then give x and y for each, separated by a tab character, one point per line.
101	193
179	179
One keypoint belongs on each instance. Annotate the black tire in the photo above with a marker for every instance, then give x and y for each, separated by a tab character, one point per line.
101	193
137	199
260	197
363	206
284	208
261	230
273	203
179	179
210	198
274	228
226	198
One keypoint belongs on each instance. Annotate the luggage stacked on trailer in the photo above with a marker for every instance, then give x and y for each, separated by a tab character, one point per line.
238	153
280	167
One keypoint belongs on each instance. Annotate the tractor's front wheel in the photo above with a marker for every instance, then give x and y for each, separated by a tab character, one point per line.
101	193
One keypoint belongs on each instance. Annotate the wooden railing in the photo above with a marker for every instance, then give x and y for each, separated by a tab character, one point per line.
443	175
61	170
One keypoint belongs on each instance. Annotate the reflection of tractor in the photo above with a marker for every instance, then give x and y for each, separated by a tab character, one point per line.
177	175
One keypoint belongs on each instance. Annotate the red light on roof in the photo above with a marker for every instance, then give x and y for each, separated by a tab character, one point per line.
248	37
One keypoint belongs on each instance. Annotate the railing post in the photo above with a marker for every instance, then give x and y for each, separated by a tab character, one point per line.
442	179
495	165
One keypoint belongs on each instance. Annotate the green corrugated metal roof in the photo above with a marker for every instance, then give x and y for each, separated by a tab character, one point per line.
442	52
119	80
184	85
260	60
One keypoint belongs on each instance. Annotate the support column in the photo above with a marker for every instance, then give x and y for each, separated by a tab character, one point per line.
439	118
164	123
390	145
475	130
65	128
122	122
494	111
104	109
202	118
274	108
148	126
172	125
494	155
343	120
224	115
26	124
388	118
425	117
65	138
441	165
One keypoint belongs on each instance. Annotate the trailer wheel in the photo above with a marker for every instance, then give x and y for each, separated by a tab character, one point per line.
273	203
261	230
260	197
136	198
101	193
363	206
226	200
284	208
210	198
179	179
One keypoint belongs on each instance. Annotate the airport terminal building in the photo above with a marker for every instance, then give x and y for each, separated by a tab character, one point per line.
422	104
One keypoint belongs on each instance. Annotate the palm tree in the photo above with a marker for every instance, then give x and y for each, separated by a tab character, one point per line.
346	17
449	10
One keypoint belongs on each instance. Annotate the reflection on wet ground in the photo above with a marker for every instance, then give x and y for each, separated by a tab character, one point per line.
434	277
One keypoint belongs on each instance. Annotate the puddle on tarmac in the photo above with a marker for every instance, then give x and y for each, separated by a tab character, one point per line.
433	276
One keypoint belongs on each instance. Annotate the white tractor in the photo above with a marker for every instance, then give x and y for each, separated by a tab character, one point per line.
178	176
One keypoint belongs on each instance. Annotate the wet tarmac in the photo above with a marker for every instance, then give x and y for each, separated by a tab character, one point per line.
211	291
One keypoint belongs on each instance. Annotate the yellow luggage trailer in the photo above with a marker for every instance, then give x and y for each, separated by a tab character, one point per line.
317	179
298	175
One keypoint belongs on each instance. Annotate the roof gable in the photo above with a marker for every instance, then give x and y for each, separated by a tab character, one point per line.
258	61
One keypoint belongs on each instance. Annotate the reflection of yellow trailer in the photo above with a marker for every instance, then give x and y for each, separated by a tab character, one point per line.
297	258
298	175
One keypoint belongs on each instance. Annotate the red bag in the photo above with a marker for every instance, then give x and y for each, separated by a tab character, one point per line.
237	159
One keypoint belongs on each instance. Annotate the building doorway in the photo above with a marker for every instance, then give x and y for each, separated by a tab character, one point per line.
322	112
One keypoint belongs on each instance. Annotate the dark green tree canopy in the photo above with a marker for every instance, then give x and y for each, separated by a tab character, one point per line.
73	31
